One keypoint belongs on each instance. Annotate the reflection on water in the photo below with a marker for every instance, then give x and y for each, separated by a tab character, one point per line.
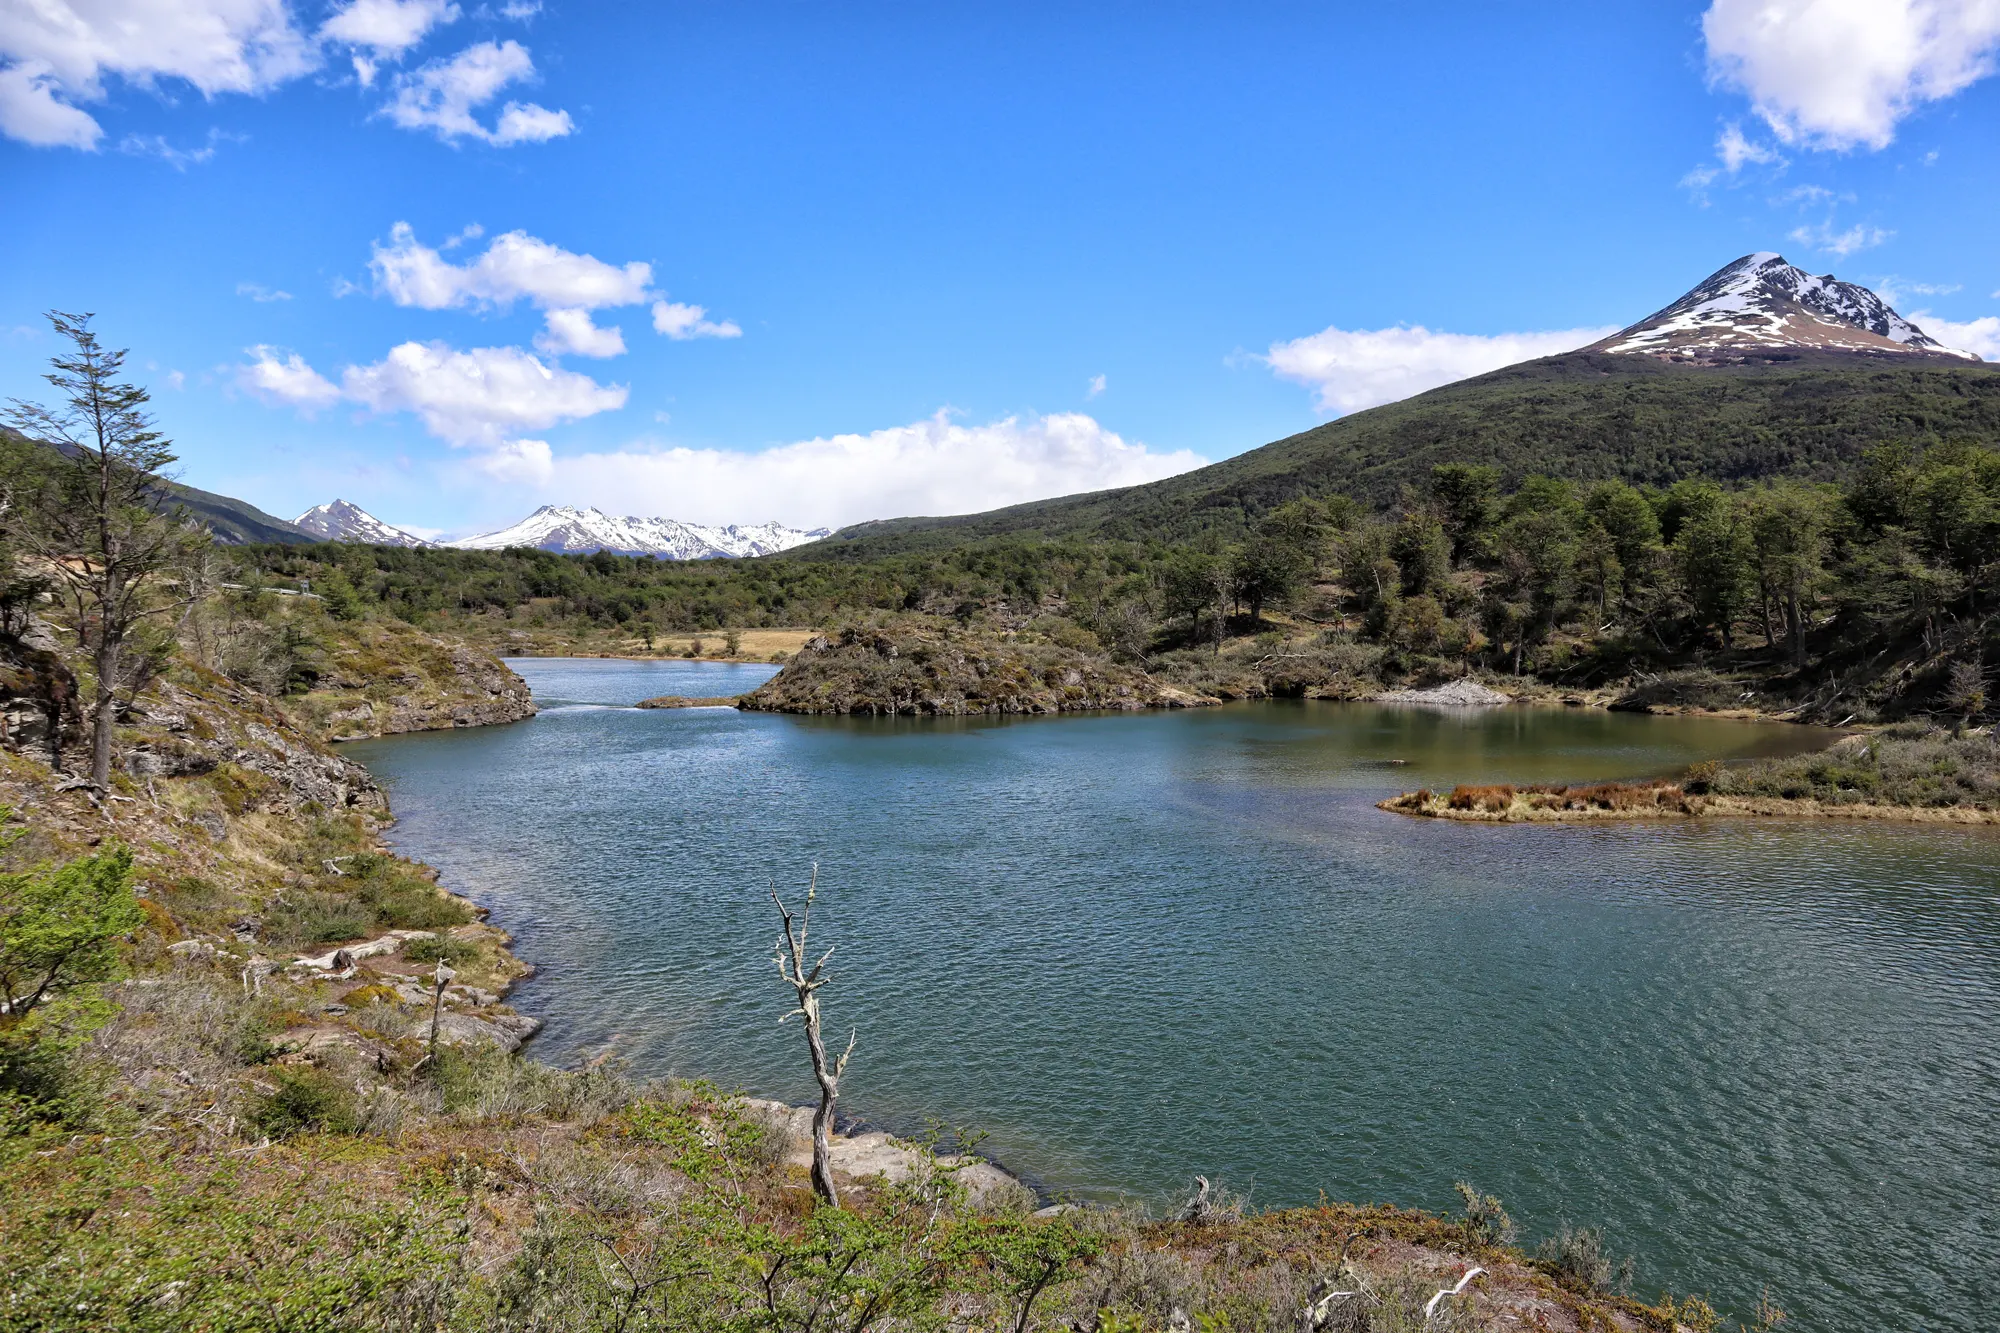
1134	947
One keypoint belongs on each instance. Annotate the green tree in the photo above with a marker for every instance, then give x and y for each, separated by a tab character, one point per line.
1712	556
60	926
99	522
1465	496
1788	533
1536	550
1633	529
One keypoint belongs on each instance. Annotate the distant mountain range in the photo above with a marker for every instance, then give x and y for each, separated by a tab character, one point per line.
344	522
575	531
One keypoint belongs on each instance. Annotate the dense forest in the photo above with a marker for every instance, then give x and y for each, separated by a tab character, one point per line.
1577	583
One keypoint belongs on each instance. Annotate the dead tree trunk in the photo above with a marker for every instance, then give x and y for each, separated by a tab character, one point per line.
805	981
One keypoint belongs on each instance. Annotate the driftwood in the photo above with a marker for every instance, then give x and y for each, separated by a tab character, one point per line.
805	981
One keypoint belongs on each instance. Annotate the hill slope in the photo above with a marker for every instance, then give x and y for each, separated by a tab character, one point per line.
1585	415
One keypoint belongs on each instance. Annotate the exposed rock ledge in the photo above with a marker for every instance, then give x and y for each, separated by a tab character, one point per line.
390	678
874	1155
1451	694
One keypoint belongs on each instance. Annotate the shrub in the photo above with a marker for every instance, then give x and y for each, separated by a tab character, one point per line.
438	949
1491	799
312	917
1576	1258
307	1099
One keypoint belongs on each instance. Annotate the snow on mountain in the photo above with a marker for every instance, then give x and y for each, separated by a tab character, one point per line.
344	522
579	531
1760	301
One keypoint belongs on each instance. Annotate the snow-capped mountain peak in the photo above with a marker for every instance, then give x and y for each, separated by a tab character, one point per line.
1761	302
344	522
580	531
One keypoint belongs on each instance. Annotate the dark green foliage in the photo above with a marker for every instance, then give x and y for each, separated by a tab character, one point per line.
306	1100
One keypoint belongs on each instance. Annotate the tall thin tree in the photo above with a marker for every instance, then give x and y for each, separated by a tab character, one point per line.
99	520
805	980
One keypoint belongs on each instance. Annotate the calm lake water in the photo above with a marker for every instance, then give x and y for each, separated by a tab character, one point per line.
1135	947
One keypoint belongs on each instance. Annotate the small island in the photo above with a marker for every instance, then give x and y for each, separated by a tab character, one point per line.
1908	772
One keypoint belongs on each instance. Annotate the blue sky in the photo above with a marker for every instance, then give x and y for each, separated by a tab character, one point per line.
875	260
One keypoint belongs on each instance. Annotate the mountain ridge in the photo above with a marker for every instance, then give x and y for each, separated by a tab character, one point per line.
1760	302
580	531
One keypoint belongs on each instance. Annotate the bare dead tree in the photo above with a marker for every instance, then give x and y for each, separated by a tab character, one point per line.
99	523
805	980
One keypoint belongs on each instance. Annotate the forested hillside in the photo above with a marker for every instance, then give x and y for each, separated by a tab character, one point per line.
1583	417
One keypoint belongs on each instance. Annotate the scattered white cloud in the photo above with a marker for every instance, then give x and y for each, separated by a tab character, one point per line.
1895	291
285	381
1348	370
571	332
1734	151
442	96
681	322
1823	237
1806	196
481	396
1096	386
520	10
177	380
1930	159
180	159
58	56
1737	151
934	466
380	30
514	267
260	293
1840	74
1979	336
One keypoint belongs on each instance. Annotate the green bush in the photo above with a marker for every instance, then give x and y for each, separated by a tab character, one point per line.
306	1100
438	949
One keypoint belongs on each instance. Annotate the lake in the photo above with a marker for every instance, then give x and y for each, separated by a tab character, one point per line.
1135	947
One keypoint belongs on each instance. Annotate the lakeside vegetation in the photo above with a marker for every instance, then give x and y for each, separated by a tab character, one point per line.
1867	600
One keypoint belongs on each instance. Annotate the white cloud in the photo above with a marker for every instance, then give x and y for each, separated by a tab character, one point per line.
1096	386
1735	151
514	267
177	380
289	382
57	54
1821	236
156	145
384	28
1978	336
681	322
570	331
56	57
1842	73
481	396
260	293
933	466
1348	370
442	96
480	399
